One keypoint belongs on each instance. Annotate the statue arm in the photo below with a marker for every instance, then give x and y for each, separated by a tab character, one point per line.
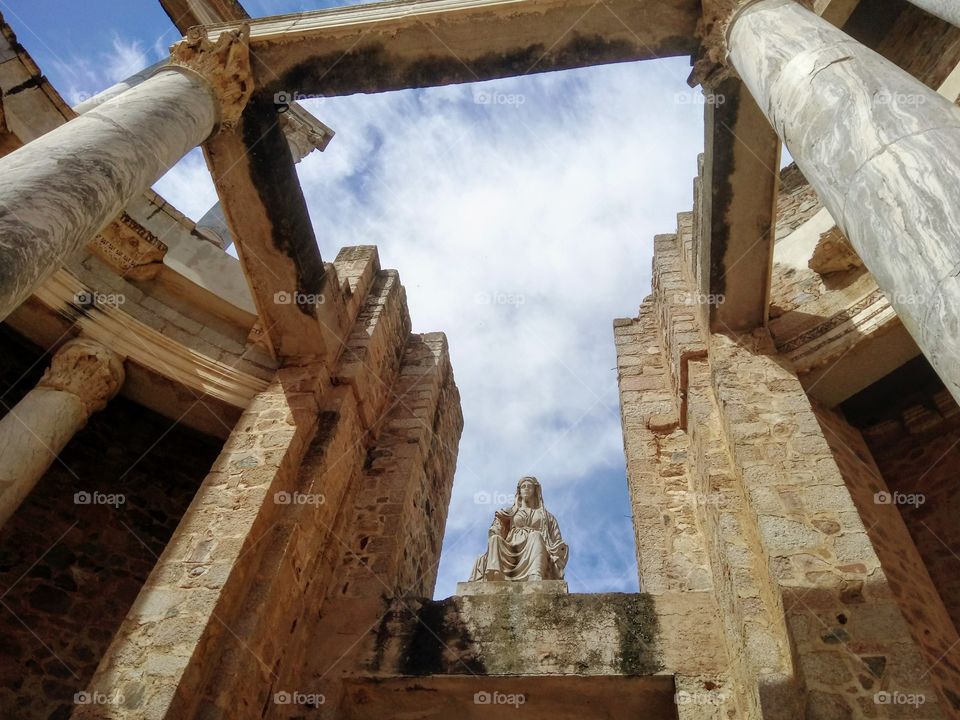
501	523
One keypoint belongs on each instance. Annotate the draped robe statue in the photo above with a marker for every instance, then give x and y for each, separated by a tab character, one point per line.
524	541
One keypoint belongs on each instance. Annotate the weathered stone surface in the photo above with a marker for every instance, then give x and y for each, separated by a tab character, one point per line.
520	634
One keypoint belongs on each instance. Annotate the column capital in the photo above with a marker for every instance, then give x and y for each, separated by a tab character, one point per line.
87	369
711	65
224	64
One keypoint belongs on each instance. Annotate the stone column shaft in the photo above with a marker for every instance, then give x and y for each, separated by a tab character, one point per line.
882	151
82	377
948	10
58	191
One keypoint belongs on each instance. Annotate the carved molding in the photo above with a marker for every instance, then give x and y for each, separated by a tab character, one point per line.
149	348
713	29
129	248
87	369
833	253
827	340
224	64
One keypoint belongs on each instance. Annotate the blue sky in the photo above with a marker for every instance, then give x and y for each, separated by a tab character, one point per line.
520	214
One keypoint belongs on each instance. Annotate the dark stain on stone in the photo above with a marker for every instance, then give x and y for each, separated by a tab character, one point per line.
876	664
835	636
272	173
372	68
638	628
31	82
719	180
436	631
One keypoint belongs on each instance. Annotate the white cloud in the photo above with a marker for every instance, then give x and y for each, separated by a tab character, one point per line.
83	78
126	59
521	227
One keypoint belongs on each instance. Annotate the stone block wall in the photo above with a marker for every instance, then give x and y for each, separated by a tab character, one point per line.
807	618
231	613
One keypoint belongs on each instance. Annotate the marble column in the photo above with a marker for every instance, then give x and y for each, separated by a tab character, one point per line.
882	151
83	376
58	192
948	10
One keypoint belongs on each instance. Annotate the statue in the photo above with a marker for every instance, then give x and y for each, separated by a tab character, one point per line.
524	541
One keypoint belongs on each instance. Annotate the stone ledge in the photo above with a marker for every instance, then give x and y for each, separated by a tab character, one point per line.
514	633
499	587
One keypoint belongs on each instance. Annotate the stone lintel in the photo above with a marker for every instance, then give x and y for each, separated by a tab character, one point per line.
397	45
741	172
186	14
509	587
263	202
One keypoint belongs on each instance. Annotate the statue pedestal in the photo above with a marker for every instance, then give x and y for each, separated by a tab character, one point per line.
498	587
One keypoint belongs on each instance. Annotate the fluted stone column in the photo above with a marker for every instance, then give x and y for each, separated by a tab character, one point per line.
882	151
58	191
83	376
948	10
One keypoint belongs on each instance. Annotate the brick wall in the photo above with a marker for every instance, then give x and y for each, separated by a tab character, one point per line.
904	571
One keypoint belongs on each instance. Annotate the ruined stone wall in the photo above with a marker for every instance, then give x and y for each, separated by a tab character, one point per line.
228	620
71	569
904	574
808	620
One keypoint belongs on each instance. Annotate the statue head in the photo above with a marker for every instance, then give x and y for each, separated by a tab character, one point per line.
529	490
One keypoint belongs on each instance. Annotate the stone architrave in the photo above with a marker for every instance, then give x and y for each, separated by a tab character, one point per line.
83	376
524	542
